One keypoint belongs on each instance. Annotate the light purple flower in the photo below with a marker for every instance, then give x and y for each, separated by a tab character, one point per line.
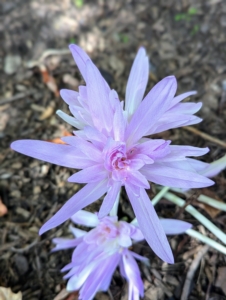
111	148
101	250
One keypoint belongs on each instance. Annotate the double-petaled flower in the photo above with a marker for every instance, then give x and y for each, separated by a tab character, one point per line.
98	253
112	149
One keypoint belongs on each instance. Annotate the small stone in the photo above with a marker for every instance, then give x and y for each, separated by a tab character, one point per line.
15	194
11	64
37	190
16	165
21	264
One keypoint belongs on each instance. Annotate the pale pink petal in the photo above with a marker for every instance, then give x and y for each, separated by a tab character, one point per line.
172	226
62	155
85	218
151	109
88	194
137	81
149	224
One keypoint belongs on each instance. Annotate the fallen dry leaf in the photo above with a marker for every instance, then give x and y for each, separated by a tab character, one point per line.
48	112
58	140
49	80
212	211
221	278
3	211
7	294
62	295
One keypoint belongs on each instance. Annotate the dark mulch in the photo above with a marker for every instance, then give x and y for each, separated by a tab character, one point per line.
185	38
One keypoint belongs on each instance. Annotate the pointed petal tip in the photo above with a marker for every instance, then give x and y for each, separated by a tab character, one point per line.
170	260
171	77
41	230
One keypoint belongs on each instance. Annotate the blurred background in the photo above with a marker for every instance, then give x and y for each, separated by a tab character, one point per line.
185	38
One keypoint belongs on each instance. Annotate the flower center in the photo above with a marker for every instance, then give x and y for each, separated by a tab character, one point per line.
116	157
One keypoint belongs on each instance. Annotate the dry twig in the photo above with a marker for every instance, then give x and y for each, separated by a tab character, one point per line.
206	136
16	97
191	272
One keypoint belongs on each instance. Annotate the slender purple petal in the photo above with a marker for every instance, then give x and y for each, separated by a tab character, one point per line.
132	274
86	147
85	218
109	199
171	226
70	97
137	81
173	177
188	150
215	167
70	120
197	165
88	194
80	58
97	92
149	224
100	278
151	108
181	97
185	108
136	178
91	174
170	121
119	124
77	232
62	243
62	155
113	262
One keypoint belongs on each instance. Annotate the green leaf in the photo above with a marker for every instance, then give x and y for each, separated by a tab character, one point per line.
179	17
78	3
195	29
192	11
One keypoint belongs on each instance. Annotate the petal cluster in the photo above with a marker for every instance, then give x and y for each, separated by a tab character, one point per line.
104	248
112	150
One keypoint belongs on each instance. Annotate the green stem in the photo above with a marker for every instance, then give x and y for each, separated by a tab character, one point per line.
206	240
195	213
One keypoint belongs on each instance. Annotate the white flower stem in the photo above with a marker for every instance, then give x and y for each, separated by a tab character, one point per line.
114	210
159	196
205	199
212	202
195	213
206	240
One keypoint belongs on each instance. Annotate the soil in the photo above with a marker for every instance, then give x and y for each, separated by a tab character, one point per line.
185	38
